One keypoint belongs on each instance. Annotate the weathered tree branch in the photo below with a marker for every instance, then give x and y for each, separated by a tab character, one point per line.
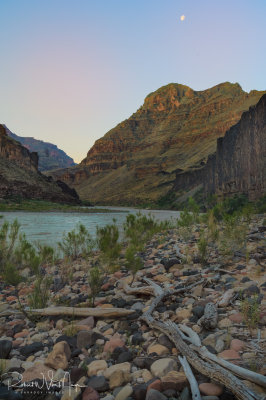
193	338
140	290
209	369
191	378
77	312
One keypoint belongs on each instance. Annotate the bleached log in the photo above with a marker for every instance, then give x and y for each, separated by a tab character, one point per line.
140	290
192	336
210	369
82	312
239	371
191	378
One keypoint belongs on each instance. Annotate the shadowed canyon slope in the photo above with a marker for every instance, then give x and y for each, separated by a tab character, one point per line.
176	129
19	175
50	156
239	164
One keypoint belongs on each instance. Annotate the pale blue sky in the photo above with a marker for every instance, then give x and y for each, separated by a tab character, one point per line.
72	69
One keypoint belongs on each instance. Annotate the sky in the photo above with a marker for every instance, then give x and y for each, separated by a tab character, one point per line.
71	70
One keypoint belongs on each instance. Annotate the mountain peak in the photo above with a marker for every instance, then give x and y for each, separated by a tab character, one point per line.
226	88
167	97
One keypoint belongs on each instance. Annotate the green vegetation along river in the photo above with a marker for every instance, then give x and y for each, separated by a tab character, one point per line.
48	227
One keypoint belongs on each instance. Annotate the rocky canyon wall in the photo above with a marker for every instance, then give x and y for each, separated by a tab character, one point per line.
239	164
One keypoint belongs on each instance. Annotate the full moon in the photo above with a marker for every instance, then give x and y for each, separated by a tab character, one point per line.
182	18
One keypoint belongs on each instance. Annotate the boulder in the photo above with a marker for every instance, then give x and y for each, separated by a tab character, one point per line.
161	367
59	356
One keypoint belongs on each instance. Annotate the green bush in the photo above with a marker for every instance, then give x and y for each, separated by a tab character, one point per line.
95	279
190	214
15	250
234	235
41	292
47	253
260	205
76	243
140	228
250	308
203	248
8	238
133	262
108	243
230	206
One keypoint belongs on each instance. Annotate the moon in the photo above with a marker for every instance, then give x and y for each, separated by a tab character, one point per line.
182	18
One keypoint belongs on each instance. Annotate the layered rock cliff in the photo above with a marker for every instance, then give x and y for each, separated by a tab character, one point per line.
19	175
11	150
50	156
239	164
175	129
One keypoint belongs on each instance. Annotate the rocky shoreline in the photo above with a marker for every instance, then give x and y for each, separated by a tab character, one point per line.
122	358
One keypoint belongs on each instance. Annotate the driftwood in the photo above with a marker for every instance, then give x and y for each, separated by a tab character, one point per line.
239	371
208	368
140	290
77	312
191	378
210	318
193	337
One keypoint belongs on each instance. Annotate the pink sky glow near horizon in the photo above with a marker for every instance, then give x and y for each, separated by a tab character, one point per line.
72	70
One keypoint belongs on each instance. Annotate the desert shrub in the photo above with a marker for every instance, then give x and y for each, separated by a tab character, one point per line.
184	223
95	280
8	237
108	244
234	235
15	250
11	275
140	228
203	247
230	206
76	243
41	292
212	226
188	217
47	253
260	205
133	262
168	200
250	309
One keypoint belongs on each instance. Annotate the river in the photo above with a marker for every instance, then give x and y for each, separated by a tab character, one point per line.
48	227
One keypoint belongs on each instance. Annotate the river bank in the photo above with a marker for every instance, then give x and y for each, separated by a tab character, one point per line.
122	357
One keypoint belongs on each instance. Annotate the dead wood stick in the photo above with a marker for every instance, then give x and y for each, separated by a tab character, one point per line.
191	378
243	373
82	312
141	290
239	371
213	371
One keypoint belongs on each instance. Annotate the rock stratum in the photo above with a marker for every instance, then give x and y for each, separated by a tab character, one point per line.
50	156
239	164
173	132
19	175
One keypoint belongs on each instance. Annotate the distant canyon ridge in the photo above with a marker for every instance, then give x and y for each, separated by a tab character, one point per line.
50	156
180	140
20	177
